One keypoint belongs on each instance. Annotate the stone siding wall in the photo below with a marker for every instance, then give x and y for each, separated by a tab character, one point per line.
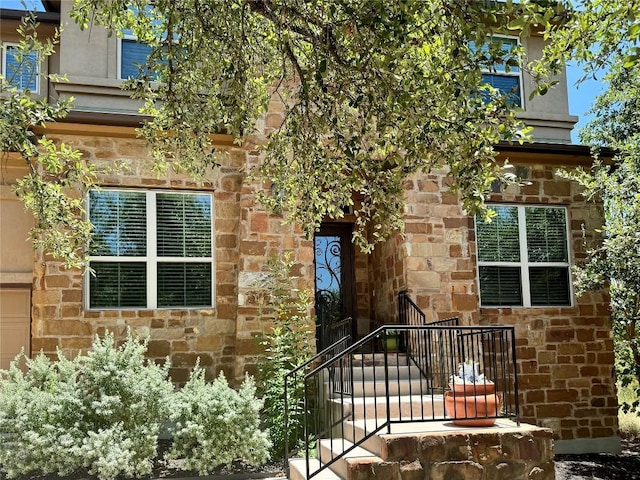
565	354
440	271
223	337
388	277
504	453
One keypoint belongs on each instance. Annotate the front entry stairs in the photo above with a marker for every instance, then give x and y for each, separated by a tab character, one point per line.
412	450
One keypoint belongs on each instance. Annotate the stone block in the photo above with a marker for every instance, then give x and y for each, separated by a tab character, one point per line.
411	470
72	296
82	343
557	189
67	328
456	470
555	335
400	448
423	280
506	471
485	447
45	344
158	348
465	302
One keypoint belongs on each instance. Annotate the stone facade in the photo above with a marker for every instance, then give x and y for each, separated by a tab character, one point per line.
565	355
223	337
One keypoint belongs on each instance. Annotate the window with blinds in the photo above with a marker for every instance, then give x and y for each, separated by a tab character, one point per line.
523	257
20	70
133	55
504	76
150	250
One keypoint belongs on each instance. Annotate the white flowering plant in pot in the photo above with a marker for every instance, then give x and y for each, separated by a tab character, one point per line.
472	400
469	377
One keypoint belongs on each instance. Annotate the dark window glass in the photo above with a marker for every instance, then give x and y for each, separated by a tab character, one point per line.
120	223
118	284
546	234
499	240
549	286
133	55
21	70
184	284
500	285
508	85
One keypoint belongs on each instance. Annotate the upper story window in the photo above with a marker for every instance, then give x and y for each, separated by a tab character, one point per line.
505	74
523	257
19	69
150	249
131	55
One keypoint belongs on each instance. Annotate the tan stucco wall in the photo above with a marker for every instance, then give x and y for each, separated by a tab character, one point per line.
89	58
16	252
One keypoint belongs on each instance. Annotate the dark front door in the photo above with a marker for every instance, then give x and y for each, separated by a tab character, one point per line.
335	289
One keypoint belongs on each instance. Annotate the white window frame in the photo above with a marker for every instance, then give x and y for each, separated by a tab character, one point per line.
508	74
524	263
125	36
151	259
119	53
5	46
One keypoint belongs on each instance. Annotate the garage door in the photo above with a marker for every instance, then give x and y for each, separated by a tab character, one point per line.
15	323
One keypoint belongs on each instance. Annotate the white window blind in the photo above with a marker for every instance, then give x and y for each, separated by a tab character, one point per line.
133	56
523	257
20	70
504	75
151	249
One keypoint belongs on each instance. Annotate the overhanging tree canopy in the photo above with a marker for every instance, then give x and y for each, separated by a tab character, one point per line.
374	92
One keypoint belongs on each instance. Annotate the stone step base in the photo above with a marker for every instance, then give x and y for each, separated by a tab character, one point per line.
439	450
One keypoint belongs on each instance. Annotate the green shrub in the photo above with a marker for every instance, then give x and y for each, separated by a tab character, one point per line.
34	431
629	420
101	412
215	425
289	345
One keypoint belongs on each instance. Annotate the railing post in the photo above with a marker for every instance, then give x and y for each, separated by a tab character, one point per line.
516	394
286	425
386	380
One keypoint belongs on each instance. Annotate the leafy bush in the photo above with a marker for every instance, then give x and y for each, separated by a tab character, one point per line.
101	412
215	425
289	345
34	433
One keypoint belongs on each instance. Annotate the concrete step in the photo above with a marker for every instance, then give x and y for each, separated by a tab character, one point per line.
403	372
377	359
356	459
405	407
298	470
377	388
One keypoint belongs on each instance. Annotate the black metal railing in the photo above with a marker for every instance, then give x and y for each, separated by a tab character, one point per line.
332	323
295	400
355	394
426	350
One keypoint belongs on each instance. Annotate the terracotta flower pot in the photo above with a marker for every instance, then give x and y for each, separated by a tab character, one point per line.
469	404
